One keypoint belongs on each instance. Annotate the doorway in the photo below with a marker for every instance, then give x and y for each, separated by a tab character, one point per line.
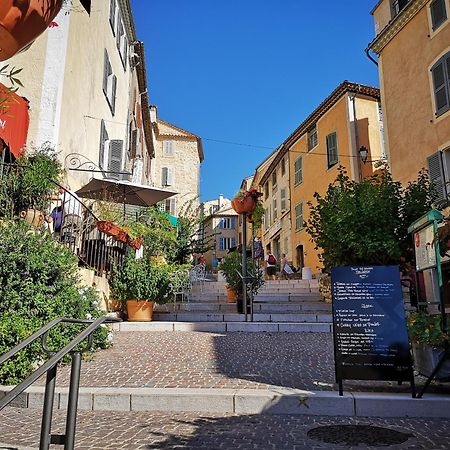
300	258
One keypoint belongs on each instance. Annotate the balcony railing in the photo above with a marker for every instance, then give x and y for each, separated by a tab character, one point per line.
398	6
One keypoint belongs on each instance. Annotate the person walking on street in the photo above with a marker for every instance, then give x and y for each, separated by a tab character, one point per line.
271	265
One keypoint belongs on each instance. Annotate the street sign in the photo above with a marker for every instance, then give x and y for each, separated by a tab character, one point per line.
370	335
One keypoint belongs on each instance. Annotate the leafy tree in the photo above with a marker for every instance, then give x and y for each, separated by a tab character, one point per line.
366	222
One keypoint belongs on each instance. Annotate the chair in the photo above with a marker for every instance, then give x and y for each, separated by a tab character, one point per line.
197	275
180	285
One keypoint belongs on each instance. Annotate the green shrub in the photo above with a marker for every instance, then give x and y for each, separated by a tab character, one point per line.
38	283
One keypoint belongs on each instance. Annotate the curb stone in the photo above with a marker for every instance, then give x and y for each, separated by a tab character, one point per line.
246	401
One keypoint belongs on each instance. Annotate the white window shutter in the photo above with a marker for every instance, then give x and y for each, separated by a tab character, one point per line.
168	148
164	176
170	176
115	158
172	206
436	171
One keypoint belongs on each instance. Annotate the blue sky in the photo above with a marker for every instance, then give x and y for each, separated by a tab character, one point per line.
249	71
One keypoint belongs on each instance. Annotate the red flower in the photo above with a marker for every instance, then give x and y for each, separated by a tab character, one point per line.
53	25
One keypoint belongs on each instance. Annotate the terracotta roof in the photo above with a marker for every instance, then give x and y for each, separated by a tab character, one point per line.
142	81
322	109
187	133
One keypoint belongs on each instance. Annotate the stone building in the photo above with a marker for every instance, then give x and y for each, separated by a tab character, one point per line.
178	155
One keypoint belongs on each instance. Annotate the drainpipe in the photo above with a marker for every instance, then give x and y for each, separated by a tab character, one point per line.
355	124
367	50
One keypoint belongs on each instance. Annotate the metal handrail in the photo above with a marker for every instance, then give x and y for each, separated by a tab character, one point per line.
49	367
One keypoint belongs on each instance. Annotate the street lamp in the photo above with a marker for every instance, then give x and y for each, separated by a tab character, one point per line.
363	154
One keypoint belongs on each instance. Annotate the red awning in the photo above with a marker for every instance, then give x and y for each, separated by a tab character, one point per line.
14	121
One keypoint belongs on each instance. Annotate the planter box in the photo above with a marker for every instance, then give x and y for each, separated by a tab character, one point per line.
426	358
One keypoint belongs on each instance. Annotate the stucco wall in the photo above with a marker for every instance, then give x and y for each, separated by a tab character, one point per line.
412	131
382	15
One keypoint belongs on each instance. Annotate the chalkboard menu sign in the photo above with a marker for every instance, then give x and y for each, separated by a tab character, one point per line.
370	335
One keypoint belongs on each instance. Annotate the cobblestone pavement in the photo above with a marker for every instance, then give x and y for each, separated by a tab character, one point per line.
231	360
138	430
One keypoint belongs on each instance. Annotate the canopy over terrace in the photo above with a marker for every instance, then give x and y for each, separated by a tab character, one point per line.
116	191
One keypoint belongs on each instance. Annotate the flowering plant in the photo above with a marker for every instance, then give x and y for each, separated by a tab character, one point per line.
426	329
252	192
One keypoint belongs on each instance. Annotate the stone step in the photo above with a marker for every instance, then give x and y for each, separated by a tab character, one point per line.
231	307
277	298
235	317
242	402
223	327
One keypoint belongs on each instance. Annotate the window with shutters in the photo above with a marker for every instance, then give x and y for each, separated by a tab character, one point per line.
298	170
283	200
104	146
167	178
225	243
274	180
438	11
275	209
437	177
122	41
312	138
115	158
266	218
283	167
398	5
441	84
227	223
168	148
266	191
109	84
332	150
112	15
299	217
132	150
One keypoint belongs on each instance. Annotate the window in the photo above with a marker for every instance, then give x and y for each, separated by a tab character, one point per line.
275	210
332	150
437	177
115	158
283	200
167	177
266	218
132	150
112	15
438	13
312	138
109	84
299	217
122	41
274	180
225	243
227	223
266	191
441	84
104	146
168	148
398	5
298	170
283	167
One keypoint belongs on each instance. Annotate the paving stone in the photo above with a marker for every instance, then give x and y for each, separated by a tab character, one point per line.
100	430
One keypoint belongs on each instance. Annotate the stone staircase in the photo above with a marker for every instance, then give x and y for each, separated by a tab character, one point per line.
280	306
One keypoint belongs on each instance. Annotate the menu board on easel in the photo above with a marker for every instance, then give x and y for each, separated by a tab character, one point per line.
369	325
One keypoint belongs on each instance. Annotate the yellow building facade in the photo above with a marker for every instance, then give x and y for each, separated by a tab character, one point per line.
413	47
337	133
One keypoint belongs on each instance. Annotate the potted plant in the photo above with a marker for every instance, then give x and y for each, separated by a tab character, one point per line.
428	344
256	217
246	201
140	283
22	22
231	267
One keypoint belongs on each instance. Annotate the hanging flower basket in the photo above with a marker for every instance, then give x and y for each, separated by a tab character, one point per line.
246	201
21	24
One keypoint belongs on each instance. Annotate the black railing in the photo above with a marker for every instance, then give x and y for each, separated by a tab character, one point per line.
50	368
78	230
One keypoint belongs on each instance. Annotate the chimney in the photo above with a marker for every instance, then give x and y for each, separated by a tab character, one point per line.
220	200
153	113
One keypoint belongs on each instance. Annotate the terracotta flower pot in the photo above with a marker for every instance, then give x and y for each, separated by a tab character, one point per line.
21	22
245	205
32	216
135	243
139	311
231	296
